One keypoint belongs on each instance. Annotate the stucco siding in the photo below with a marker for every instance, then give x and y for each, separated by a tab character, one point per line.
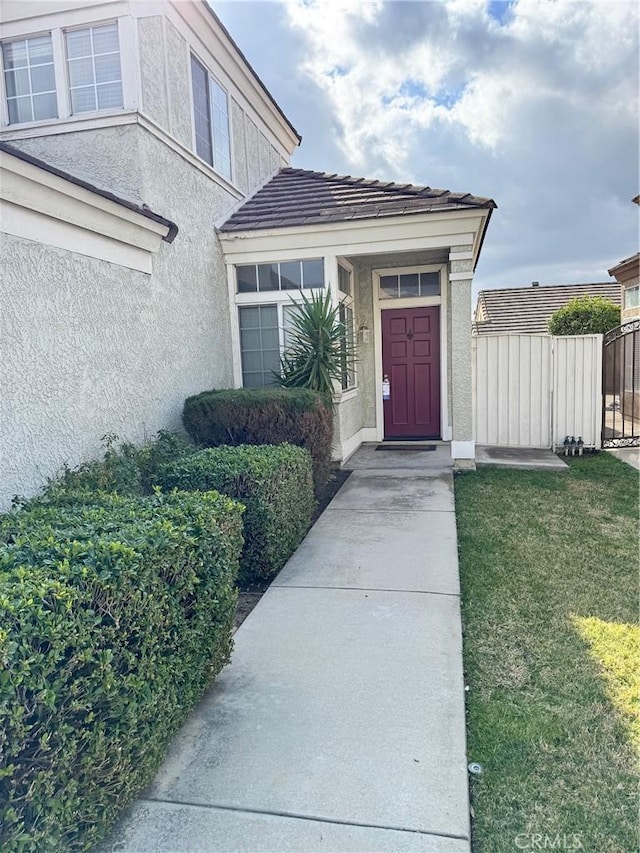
108	158
365	367
239	147
152	71
95	349
178	86
461	385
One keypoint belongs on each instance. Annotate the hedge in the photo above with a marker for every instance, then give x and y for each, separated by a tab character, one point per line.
113	620
264	416
585	315
275	485
126	469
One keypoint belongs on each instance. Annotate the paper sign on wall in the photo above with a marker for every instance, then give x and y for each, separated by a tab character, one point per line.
386	388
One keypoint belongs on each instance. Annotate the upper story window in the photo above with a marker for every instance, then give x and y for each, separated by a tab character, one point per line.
95	78
632	297
286	275
30	79
62	73
210	119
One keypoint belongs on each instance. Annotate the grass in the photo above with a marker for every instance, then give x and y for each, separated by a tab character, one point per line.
549	571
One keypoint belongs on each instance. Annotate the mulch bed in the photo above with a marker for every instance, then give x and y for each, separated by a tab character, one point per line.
248	598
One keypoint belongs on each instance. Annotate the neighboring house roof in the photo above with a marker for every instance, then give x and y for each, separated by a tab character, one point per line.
526	310
626	269
296	197
143	210
252	70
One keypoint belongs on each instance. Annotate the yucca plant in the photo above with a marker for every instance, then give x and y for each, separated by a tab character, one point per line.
320	347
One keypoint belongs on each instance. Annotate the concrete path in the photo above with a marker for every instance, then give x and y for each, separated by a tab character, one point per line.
526	458
340	724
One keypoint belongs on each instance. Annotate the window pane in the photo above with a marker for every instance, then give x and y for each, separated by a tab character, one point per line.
108	68
17	82
268	277
388	285
249	318
105	39
19	110
247	279
78	43
259	344
29	71
219	113
632	297
313	273
409	284
429	284
42	79
40	50
83	100
81	72
45	106
344	280
290	275
109	96
201	114
250	339
14	54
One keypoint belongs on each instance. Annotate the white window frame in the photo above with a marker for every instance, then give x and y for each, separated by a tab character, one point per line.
347	299
68	86
230	178
60	66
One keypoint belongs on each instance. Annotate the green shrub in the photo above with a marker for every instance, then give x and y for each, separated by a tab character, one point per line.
274	484
585	315
126	469
264	416
113	620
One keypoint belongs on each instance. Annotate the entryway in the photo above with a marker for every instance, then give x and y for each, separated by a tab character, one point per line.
411	368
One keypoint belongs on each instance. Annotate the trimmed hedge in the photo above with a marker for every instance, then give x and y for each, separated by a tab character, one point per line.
275	485
264	416
114	618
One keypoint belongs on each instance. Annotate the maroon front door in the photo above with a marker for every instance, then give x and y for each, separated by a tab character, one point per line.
411	363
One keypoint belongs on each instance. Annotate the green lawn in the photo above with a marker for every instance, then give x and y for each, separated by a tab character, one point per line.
549	568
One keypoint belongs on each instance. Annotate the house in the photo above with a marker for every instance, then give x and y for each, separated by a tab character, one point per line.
627	273
154	232
527	310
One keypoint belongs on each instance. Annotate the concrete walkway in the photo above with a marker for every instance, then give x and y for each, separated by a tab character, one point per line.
340	724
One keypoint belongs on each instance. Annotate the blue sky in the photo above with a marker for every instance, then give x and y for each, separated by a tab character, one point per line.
533	103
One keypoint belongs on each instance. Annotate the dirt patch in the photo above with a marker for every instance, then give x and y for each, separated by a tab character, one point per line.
247	599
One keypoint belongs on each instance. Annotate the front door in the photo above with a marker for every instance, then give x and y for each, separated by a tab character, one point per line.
411	367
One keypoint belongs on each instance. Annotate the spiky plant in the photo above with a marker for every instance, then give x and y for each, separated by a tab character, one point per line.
320	348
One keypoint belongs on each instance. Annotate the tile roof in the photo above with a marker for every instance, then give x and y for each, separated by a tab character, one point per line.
296	197
526	310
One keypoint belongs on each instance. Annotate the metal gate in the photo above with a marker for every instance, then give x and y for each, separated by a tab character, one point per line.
621	386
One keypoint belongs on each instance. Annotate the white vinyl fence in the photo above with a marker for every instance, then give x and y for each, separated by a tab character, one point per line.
533	390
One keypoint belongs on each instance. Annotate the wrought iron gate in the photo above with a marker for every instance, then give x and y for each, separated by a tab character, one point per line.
621	386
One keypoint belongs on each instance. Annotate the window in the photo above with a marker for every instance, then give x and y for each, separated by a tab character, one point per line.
410	284
259	345
287	275
95	78
210	119
632	297
344	280
348	369
30	79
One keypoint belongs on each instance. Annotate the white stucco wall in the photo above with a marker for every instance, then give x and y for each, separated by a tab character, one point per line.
89	347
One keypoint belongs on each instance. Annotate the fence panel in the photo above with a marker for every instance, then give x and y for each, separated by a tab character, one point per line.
512	390
532	390
577	388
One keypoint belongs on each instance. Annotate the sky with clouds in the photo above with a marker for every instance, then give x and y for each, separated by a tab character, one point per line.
533	103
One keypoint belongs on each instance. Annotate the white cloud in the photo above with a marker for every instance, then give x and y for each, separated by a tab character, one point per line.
538	110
